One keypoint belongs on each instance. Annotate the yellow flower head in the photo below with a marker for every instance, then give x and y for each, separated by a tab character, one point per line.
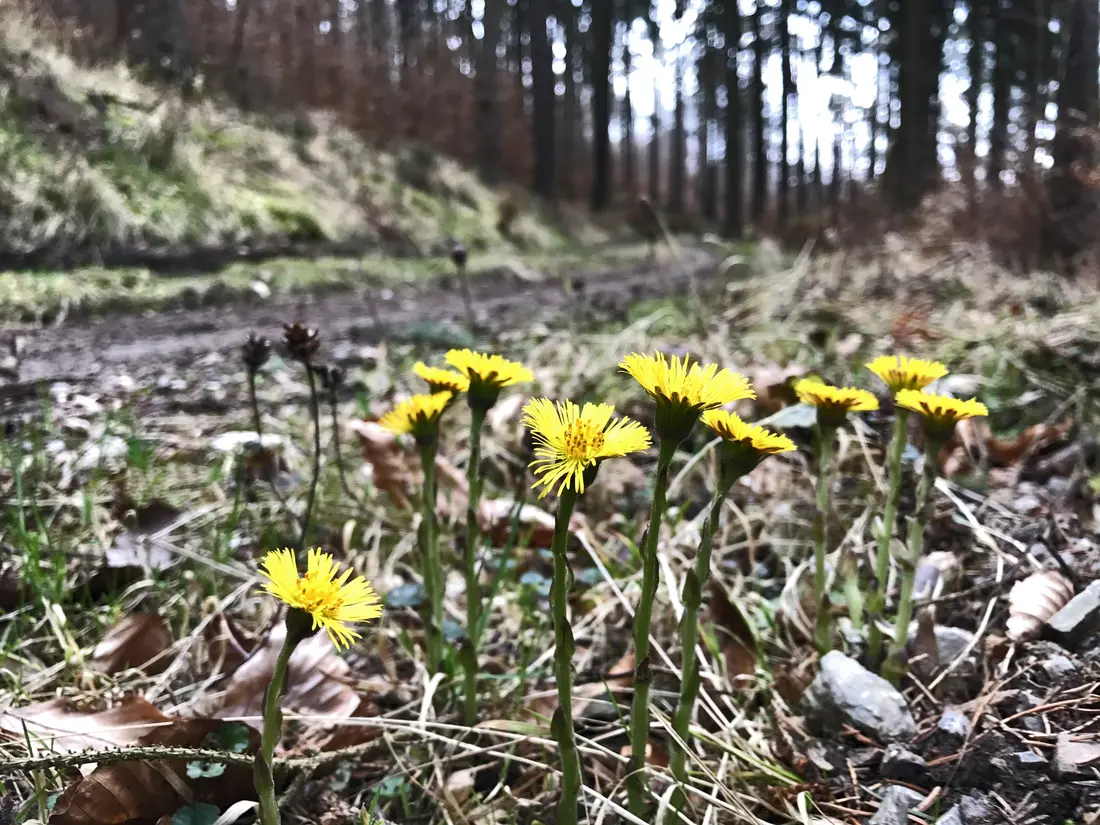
731	428
487	374
440	380
743	445
570	441
941	413
332	599
418	415
834	403
684	392
900	372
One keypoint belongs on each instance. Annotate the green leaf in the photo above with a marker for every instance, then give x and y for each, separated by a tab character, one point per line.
200	814
232	737
391	787
406	595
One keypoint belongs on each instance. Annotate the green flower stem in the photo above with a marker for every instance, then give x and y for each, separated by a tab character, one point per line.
876	602
315	474
639	712
562	723
263	775
894	667
473	542
689	630
822	630
433	566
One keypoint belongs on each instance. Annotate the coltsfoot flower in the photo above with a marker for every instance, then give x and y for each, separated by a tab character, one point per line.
900	372
744	445
487	374
682	392
418	415
571	441
834	403
332	599
941	413
440	380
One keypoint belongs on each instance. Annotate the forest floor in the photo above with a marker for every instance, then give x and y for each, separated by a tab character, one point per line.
138	500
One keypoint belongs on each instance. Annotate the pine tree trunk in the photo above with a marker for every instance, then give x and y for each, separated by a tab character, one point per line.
488	104
655	148
785	119
975	66
1002	99
571	126
735	133
760	137
629	173
676	156
542	77
602	33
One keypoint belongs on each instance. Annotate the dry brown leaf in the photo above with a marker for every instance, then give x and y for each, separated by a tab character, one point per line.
395	470
137	641
924	651
774	385
506	412
59	726
496	516
619	681
315	680
133	792
1034	600
655	754
1008	451
735	636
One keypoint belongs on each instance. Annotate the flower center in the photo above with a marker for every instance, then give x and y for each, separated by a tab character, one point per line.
318	594
583	439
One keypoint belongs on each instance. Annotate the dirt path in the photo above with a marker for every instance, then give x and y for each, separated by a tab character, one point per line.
142	345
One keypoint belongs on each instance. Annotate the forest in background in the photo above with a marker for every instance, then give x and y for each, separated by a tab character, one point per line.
524	90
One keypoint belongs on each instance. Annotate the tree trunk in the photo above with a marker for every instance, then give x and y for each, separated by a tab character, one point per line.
760	137
1072	203
785	120
975	66
602	43
488	103
542	77
735	133
655	148
629	173
1002	99
676	156
571	131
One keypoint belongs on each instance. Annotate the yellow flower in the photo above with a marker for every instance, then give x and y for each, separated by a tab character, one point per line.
440	380
941	413
900	372
487	374
333	600
833	403
418	415
683	392
731	428
570	441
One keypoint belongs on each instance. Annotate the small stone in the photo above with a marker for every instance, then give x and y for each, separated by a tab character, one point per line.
1029	760
951	642
845	692
895	806
901	764
954	723
260	290
1058	667
1073	759
460	784
1027	503
1078	619
971	810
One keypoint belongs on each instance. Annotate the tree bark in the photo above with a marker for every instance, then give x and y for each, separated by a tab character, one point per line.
542	77
602	33
760	138
735	133
783	191
676	156
487	101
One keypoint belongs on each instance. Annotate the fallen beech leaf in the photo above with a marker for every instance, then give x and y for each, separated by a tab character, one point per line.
774	385
1034	600
133	792
315	680
497	515
394	468
923	650
735	636
137	640
1007	451
619	681
655	754
58	726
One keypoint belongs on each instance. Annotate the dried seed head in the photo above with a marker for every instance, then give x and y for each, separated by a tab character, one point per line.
459	255
302	342
256	351
331	378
